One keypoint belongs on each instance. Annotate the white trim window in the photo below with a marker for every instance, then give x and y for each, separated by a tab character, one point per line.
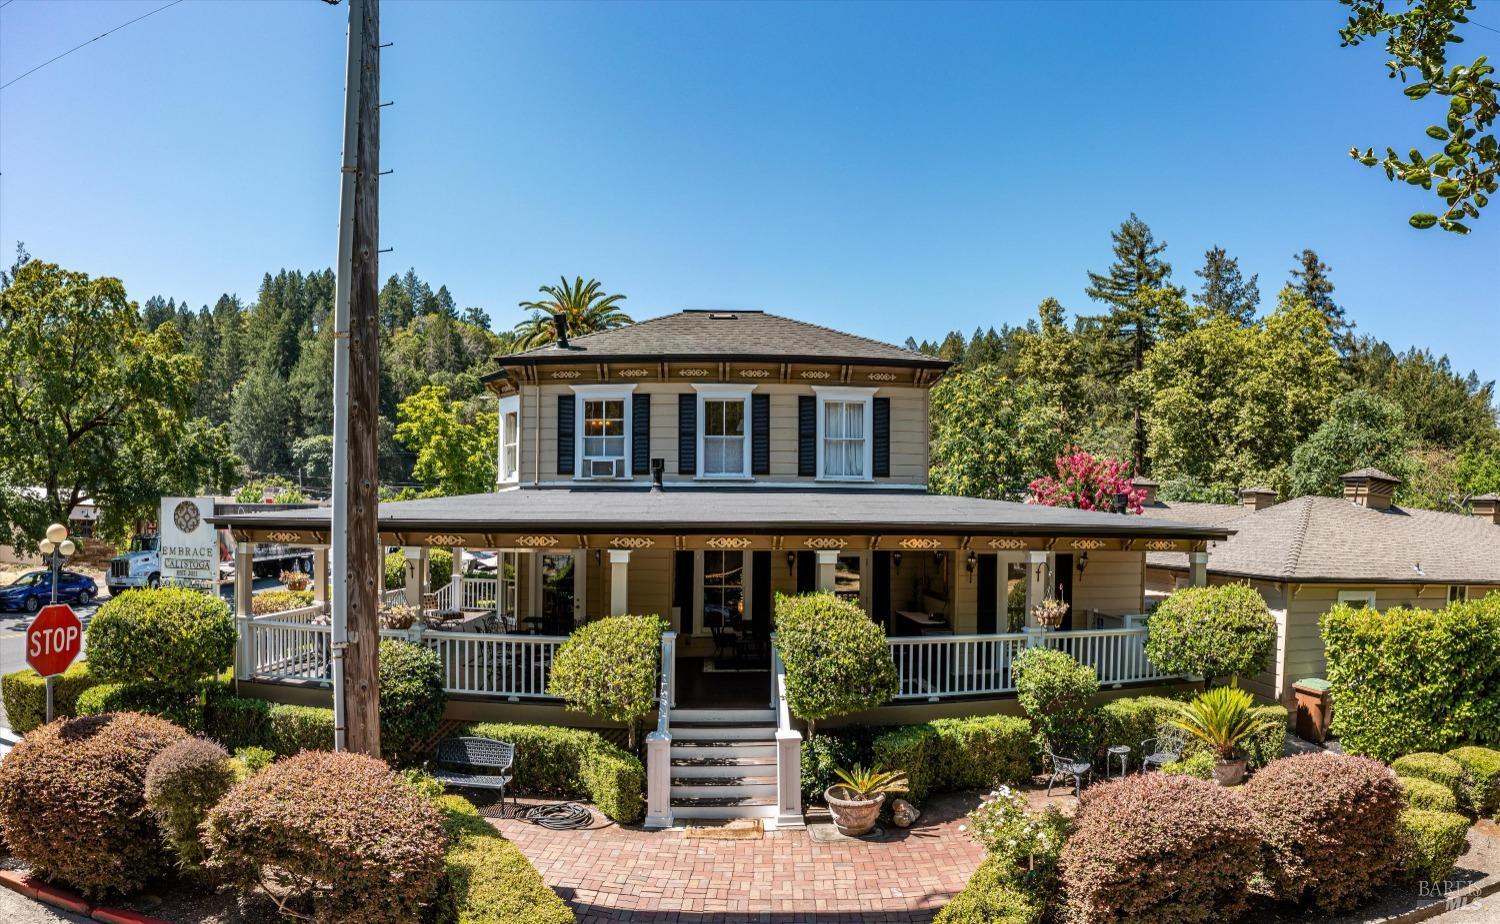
724	431
846	428
1359	599
603	431
510	439
1458	593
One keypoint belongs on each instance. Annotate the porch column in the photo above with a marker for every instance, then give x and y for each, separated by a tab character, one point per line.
321	590
1198	569
619	571
416	574
1036	582
828	560
244	584
457	580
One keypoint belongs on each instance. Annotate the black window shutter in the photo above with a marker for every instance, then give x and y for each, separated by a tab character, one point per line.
880	592
687	434
640	437
760	592
807	572
988	585
682	588
565	424
807	435
760	434
882	448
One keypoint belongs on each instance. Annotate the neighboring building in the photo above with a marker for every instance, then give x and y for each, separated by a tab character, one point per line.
82	520
697	464
1307	554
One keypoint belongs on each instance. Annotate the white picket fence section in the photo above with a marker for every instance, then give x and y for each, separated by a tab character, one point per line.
930	667
474	663
478	594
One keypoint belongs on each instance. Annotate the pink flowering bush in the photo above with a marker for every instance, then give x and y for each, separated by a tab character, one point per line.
1087	482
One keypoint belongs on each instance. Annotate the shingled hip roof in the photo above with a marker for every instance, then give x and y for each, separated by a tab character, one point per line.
698	335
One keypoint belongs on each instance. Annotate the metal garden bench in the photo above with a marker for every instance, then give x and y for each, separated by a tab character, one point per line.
476	753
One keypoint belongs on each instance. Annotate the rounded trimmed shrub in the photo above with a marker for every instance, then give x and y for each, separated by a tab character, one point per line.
411	700
837	660
1425	765
1218	631
293	729
1430	843
172	638
25	695
1055	692
1156	849
1425	794
73	804
183	782
337	832
1329	827
1479	789
608	668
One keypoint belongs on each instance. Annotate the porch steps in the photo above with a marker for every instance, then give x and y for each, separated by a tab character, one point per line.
723	763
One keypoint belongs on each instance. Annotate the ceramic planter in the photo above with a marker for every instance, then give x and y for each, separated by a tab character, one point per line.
1229	772
853	814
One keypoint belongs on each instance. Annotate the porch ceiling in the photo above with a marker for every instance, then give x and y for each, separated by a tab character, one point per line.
885	519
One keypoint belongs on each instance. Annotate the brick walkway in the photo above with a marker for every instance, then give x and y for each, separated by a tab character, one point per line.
613	873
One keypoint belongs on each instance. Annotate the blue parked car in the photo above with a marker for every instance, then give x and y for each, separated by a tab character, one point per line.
33	590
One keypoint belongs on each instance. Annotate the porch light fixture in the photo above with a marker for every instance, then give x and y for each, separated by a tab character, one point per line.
970	563
791	562
896	560
1083	562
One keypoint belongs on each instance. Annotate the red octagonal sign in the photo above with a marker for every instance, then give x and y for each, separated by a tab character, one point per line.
53	639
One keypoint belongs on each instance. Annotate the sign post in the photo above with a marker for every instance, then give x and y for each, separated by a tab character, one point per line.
53	640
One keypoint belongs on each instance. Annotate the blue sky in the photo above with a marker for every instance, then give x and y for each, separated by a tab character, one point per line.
890	169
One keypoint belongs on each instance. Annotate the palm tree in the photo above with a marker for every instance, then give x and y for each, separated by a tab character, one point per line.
587	307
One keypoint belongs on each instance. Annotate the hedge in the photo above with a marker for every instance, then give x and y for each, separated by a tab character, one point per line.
172	637
489	880
837	660
1199	764
572	763
293	729
1430	843
1425	794
237	721
279	601
980	752
1479	788
1444	771
25	695
411	700
1414	680
182	708
992	896
1130	720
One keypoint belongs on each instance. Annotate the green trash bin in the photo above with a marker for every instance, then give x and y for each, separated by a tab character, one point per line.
1314	709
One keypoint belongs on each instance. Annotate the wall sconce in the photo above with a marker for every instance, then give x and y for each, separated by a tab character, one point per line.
598	556
896	560
940	557
1083	562
970	563
791	562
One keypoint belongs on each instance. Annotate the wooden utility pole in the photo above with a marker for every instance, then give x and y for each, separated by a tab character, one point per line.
357	563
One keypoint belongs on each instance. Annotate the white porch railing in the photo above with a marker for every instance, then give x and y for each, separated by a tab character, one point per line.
478	594
659	742
475	663
930	667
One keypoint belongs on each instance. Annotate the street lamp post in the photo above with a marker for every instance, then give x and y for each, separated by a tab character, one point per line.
58	548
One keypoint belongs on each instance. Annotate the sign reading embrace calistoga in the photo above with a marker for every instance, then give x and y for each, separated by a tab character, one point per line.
189	545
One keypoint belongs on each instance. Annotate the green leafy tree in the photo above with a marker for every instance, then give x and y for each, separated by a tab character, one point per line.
94	405
608	669
1051	357
455	443
1220	631
587	306
1440	407
1363	430
990	435
1132	325
1466	170
1225	291
837	660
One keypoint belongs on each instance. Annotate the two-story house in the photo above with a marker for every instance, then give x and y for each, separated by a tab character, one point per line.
697	464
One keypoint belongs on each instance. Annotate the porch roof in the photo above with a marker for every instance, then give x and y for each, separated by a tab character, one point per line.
753	510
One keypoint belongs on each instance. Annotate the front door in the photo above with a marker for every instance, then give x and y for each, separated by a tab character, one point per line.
1064	589
558	592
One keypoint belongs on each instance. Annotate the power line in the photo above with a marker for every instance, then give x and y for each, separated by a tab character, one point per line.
90	41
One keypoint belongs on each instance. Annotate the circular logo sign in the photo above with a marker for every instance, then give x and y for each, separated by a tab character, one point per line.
186	516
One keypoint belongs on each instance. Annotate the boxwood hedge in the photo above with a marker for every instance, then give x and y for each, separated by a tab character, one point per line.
1425	794
489	880
1430	843
980	752
572	763
1444	771
1479	788
25	695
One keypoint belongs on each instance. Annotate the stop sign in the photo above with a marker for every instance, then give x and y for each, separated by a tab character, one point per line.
53	639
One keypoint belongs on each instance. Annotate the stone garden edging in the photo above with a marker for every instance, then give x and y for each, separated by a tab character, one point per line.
70	901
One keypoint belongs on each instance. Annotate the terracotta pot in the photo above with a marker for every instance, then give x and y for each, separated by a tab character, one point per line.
1229	772
853	815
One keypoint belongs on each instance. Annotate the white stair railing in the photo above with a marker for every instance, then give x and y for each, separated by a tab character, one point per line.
788	751
659	742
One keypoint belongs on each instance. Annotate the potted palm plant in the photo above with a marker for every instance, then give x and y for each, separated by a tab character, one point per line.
1221	718
855	800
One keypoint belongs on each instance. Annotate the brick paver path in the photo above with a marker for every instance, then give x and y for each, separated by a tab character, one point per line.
614	873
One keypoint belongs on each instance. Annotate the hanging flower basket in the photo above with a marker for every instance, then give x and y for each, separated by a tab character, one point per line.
1049	613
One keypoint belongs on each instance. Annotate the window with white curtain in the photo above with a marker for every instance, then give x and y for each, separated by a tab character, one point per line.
510	445
845	439
724	437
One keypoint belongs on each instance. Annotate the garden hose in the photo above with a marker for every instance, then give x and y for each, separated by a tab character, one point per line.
558	816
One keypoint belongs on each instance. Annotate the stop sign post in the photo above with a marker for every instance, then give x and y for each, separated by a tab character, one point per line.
53	640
